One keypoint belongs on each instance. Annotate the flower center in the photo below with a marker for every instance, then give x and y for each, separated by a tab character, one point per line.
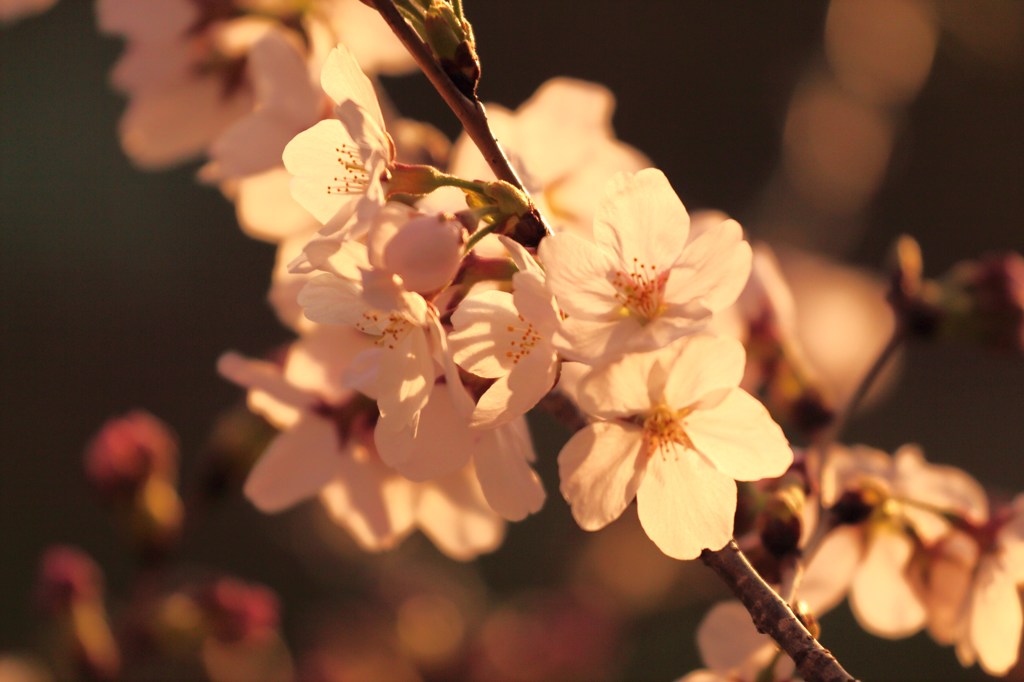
353	177
524	339
641	291
664	428
389	328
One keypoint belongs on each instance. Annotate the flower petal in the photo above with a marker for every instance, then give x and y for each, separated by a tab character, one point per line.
600	469
296	465
511	486
740	438
704	364
685	505
881	597
996	621
453	513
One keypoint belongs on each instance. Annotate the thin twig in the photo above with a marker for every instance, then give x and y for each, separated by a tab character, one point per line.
470	113
773	617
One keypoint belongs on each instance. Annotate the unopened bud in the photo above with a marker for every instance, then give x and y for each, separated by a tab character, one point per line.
451	40
781	520
237	611
414	179
983	301
66	576
157	517
423	249
803	612
907	267
127	451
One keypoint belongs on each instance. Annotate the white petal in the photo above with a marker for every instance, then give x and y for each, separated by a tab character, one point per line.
830	573
342	79
441	444
578	273
704	364
727	639
621	388
600	469
312	158
995	625
685	505
453	513
484	324
740	438
881	597
713	269
511	486
375	505
328	299
516	394
296	465
641	217
405	378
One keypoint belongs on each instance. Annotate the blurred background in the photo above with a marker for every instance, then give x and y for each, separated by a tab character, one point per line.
827	128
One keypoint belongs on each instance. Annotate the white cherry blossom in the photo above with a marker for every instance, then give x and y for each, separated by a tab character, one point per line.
340	164
642	282
676	432
507	337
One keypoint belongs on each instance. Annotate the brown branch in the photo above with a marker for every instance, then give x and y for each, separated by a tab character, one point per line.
773	617
470	112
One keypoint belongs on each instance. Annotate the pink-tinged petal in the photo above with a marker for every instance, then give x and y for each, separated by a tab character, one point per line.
704	364
740	438
950	577
342	79
728	640
621	388
996	620
579	274
830	573
373	504
600	469
271	395
328	299
156	21
713	269
320	175
882	597
453	513
1011	540
515	395
151	129
944	487
370	40
296	465
405	378
266	209
441	444
251	145
640	217
281	80
511	486
534	302
849	468
317	362
685	505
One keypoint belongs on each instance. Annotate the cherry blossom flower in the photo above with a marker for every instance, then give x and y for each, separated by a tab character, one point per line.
642	282
340	164
562	143
894	503
735	651
326	448
400	370
507	337
443	442
971	590
675	432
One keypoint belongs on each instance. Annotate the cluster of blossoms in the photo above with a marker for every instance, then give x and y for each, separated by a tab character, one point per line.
435	305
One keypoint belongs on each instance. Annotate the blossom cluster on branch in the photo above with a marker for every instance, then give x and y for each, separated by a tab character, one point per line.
440	292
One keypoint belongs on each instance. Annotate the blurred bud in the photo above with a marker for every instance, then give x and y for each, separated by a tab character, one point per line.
911	296
983	301
66	576
127	451
237	611
69	589
855	506
781	520
451	40
424	250
237	439
157	517
806	616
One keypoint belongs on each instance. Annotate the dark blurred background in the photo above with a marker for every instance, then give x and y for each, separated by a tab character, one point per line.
121	288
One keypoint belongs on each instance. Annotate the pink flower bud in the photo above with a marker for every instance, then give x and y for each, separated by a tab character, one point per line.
424	250
66	576
237	611
127	451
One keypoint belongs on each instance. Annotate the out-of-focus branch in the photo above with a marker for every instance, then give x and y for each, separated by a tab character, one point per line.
470	112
